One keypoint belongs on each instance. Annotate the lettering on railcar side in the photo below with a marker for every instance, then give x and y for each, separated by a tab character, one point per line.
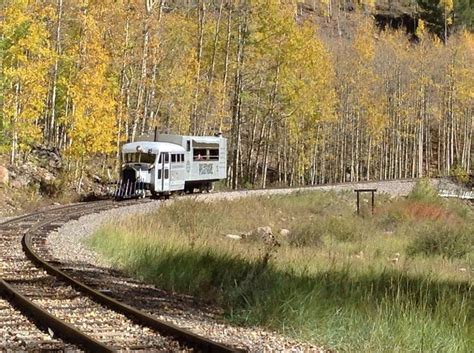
205	169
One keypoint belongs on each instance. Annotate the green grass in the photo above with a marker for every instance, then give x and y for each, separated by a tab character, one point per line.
350	283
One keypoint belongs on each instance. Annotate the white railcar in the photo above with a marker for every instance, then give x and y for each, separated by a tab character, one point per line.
170	163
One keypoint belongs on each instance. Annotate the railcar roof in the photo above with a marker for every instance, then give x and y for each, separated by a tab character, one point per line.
153	147
206	139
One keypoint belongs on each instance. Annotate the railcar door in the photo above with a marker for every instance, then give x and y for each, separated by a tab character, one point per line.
165	171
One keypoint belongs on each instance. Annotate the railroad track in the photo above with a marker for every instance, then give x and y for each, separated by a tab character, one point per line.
43	308
50	307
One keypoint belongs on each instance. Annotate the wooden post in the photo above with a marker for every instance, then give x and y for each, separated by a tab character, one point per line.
358	205
373	201
372	191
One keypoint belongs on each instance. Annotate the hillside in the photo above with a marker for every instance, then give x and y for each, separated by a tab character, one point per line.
307	93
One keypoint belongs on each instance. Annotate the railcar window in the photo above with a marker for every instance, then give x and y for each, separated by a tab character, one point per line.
173	158
203	154
139	158
214	154
188	145
167	173
147	158
128	157
159	173
167	157
199	154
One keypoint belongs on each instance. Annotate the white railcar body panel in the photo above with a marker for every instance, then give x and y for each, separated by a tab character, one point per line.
206	156
175	162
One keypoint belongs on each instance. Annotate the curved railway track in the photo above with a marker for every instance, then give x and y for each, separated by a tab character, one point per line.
46	309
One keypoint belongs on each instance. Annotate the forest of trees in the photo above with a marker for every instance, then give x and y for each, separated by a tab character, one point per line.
300	104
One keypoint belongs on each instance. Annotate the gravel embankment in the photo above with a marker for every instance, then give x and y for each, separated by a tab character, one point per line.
67	245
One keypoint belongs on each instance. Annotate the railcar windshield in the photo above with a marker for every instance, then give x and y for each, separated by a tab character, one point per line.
139	158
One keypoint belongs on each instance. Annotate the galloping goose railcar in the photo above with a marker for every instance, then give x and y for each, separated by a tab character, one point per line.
172	163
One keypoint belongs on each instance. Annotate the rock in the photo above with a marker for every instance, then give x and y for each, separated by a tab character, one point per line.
266	234
285	232
4	175
48	157
233	236
395	258
19	182
44	175
246	235
263	231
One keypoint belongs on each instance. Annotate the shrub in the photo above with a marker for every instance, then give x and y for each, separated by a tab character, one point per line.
389	219
423	210
451	241
346	228
460	175
343	229
52	188
424	191
307	234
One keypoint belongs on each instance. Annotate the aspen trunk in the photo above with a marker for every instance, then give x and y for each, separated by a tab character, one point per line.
15	124
226	66
210	78
149	7
201	12
52	120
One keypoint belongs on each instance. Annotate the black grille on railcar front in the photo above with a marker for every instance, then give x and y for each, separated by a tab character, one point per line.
129	175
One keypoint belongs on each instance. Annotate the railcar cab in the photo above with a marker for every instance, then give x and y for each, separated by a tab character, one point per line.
138	159
155	166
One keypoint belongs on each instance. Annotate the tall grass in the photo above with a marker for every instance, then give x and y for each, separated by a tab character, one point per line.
347	282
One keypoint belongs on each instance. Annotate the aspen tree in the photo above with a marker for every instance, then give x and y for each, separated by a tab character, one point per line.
26	58
447	7
93	125
296	103
176	74
460	104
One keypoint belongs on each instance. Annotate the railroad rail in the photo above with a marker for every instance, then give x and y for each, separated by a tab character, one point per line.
68	314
